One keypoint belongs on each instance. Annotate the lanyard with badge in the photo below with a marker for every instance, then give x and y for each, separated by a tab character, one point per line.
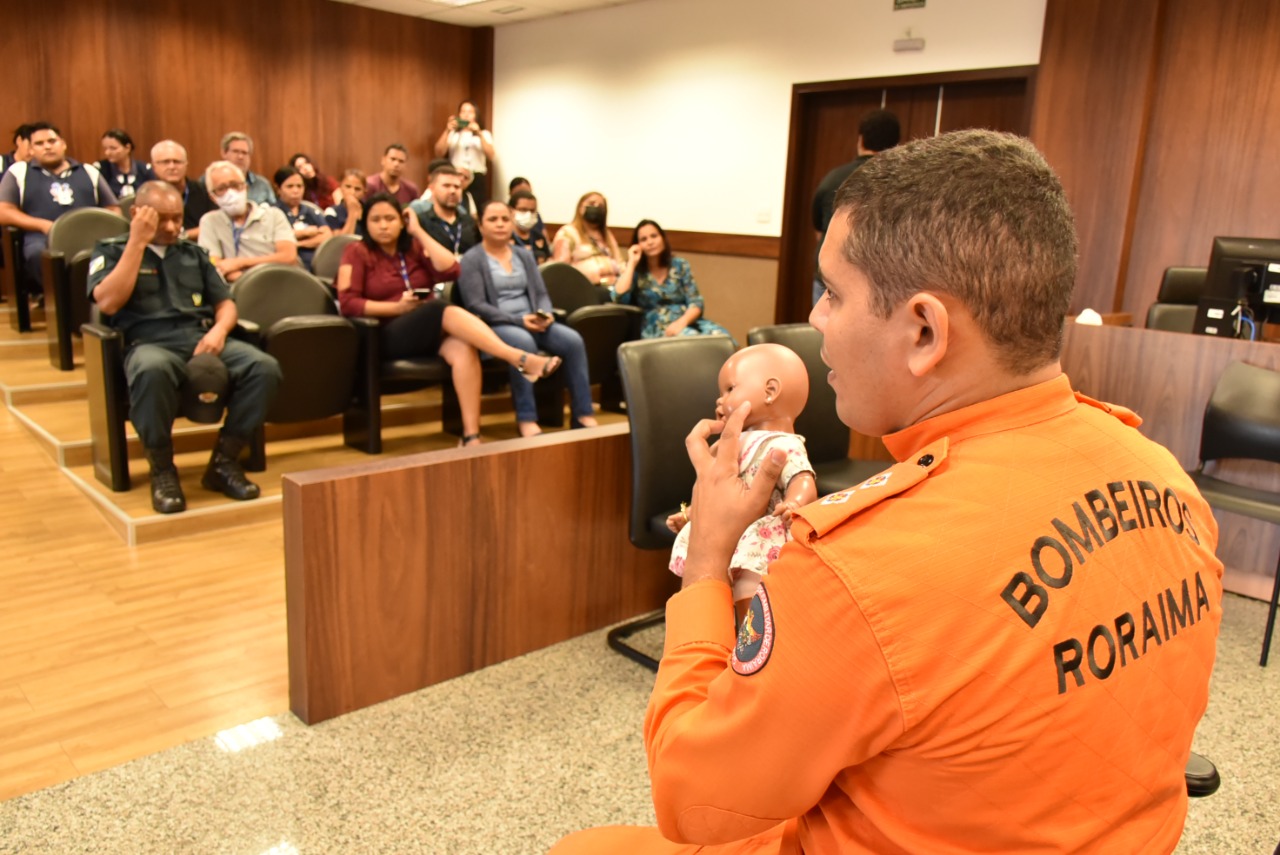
404	274
455	233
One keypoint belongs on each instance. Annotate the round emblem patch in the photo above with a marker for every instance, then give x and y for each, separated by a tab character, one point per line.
755	635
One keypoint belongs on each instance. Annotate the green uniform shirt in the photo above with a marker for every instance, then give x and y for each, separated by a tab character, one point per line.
180	289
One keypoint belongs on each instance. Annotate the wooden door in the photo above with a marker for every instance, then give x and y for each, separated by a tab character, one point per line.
824	134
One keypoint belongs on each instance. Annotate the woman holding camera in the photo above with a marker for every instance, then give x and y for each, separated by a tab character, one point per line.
390	275
501	284
468	146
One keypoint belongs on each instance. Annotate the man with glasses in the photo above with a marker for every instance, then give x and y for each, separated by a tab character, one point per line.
237	148
169	160
242	234
34	194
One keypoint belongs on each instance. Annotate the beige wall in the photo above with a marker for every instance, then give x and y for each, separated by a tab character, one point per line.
739	292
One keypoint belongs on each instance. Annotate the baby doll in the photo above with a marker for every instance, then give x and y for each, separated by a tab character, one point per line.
774	379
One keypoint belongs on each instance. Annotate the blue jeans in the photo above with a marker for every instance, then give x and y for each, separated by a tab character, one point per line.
564	343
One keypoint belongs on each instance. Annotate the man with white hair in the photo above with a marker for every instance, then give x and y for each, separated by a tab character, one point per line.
169	161
242	234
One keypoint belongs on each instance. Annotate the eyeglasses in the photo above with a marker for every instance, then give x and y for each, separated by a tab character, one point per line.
223	188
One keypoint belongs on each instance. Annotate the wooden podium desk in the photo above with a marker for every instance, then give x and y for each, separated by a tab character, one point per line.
1167	378
404	572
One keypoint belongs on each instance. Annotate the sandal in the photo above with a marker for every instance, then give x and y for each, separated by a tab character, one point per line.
470	439
548	368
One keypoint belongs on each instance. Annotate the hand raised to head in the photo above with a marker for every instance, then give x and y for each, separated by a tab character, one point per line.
145	223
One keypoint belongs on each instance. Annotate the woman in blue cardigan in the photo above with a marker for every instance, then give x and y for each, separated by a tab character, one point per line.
501	284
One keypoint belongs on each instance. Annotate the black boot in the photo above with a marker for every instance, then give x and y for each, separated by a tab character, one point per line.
166	490
224	474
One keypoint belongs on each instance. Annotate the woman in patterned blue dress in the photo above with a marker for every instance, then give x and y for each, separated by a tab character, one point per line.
663	286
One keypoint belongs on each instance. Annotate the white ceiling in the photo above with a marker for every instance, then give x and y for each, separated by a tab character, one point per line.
485	13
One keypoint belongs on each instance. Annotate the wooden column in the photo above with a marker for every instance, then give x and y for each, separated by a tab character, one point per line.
403	573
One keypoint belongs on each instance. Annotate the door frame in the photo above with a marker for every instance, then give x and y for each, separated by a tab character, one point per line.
794	298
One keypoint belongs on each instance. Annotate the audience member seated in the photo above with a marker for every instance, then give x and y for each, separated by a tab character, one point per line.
345	216
390	275
468	146
441	216
518	184
527	226
319	187
391	179
587	244
237	148
431	170
21	152
308	224
467	203
242	234
663	286
169	161
34	194
500	282
124	174
167	299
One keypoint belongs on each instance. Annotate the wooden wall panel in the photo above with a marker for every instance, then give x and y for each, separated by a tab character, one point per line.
996	104
1089	119
402	573
1211	166
337	81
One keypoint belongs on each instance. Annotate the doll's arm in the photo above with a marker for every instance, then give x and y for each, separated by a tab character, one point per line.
802	491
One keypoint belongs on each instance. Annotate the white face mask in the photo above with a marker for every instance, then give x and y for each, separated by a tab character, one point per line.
233	202
525	220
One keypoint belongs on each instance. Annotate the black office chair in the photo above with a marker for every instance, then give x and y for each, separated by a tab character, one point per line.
318	351
1242	421
569	289
328	259
1175	307
66	276
604	329
669	384
826	437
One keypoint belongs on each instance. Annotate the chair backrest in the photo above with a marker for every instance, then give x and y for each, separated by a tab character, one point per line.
1182	285
126	205
669	384
318	355
271	292
569	289
328	257
1171	317
1242	419
78	230
826	438
603	329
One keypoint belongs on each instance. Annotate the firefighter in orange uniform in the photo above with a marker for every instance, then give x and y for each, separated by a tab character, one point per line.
1003	642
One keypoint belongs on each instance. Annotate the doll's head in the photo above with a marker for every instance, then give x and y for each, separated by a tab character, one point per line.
773	378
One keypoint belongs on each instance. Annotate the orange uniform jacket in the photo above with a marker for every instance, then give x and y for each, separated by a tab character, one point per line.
1001	644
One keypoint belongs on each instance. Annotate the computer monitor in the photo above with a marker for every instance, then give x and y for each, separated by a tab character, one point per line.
1243	273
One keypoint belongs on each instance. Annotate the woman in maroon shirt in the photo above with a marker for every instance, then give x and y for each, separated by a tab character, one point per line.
390	275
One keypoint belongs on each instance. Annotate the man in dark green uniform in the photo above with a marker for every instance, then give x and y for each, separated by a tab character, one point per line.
167	299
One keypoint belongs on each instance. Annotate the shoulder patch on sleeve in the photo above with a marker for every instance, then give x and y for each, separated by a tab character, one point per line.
755	635
822	516
97	264
1125	415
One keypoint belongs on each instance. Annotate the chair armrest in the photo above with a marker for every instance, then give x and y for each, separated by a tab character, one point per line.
248	332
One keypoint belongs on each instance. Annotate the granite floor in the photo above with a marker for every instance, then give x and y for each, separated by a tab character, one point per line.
508	759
